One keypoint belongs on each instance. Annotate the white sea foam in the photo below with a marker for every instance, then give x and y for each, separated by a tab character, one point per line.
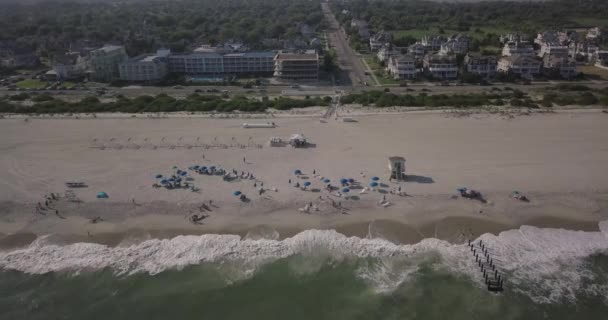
546	264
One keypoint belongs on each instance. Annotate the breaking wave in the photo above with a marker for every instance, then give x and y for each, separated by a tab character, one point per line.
545	264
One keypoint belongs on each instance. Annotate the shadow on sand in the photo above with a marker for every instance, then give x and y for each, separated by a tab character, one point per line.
419	179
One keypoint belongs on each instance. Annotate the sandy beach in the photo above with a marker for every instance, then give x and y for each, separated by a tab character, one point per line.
558	160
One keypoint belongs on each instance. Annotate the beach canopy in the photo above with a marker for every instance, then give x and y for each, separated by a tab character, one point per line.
296	172
307	183
326	181
345	190
373	184
237	193
375	178
102	195
158	176
343	180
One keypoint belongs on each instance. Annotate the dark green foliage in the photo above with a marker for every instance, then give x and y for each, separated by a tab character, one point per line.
387	99
165	103
143	26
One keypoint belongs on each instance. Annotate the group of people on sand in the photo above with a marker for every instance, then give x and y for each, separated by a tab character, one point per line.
45	208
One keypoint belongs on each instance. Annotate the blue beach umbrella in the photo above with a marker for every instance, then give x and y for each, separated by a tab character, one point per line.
343	180
203	168
373	184
375	178
326	181
297	172
346	190
183	173
237	193
351	180
158	176
307	183
164	181
102	195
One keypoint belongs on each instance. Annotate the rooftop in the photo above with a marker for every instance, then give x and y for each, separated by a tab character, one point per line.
297	56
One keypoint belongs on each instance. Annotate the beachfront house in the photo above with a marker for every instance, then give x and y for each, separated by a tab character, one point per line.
522	65
484	66
433	43
418	50
521	48
559	66
402	67
442	67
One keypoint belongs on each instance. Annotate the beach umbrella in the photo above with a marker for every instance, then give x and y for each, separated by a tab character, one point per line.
351	180
346	190
158	176
172	179
183	173
196	166
326	181
375	178
164	181
237	193
343	180
297	172
307	183
102	195
203	168
373	184
212	168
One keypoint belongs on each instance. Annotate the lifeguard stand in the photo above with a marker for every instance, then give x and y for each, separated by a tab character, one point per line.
397	167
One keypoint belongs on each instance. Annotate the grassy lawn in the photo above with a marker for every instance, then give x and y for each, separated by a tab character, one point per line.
594	72
591	22
378	70
31	84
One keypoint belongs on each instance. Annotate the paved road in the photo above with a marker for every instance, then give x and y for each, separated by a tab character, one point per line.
347	57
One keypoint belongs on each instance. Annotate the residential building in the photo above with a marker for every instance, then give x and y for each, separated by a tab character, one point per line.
145	68
521	48
522	65
443	67
547	36
585	49
458	44
297	66
14	55
418	50
69	66
197	63
249	63
385	52
601	58
379	39
512	37
564	66
362	28
433	43
484	66
104	62
402	67
593	33
553	50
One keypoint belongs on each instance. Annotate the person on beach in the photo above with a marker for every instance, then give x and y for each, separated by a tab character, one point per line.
255	185
289	181
314	171
244	160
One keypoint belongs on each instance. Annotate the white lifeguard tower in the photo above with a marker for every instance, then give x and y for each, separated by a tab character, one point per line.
396	165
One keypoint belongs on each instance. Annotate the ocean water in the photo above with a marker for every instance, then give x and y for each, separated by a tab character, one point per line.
549	274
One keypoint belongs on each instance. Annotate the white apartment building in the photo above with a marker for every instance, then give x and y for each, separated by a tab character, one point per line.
522	65
402	67
104	62
443	67
145	68
69	66
197	63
